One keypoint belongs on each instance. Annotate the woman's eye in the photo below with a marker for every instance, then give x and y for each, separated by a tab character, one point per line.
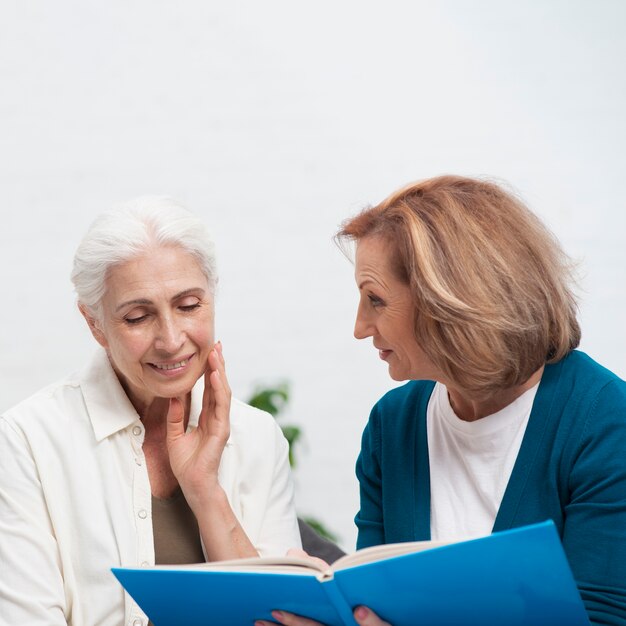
375	301
135	320
189	307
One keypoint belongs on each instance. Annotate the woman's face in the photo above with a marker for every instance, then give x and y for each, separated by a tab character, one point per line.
386	313
157	324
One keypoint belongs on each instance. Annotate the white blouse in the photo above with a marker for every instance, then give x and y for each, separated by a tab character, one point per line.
75	498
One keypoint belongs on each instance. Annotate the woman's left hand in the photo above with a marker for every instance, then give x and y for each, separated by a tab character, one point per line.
362	615
195	455
195	459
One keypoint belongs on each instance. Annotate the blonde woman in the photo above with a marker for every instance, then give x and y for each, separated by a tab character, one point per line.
466	294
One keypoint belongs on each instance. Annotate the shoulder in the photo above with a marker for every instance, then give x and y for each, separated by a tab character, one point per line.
578	364
251	424
40	425
396	416
406	399
586	403
584	385
255	446
247	415
49	402
91	404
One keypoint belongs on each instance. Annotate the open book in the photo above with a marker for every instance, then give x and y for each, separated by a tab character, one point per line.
517	577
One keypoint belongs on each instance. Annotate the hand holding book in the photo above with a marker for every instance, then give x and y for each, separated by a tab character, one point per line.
518	577
362	615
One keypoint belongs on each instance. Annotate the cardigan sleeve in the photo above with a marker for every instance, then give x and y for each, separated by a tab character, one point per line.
594	533
369	519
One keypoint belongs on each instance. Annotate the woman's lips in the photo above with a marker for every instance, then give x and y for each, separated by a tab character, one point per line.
384	354
172	368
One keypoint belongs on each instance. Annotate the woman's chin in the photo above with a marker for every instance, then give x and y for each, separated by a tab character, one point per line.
174	386
398	375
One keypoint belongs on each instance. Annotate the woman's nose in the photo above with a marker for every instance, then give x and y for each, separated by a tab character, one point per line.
362	328
170	336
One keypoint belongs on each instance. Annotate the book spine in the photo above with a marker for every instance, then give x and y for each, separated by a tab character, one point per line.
339	602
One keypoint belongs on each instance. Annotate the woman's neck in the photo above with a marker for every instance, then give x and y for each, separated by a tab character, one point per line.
154	414
471	409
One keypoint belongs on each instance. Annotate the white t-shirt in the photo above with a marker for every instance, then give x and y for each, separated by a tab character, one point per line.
471	463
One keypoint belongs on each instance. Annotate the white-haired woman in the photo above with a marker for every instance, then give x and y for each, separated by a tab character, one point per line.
130	462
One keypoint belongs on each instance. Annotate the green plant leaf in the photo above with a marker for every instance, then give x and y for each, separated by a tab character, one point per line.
292	434
270	399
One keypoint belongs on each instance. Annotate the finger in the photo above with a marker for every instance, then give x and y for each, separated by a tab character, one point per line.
214	417
221	395
289	619
216	397
222	366
208	397
175	421
367	617
219	381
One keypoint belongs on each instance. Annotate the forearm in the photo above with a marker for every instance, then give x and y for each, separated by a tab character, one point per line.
222	535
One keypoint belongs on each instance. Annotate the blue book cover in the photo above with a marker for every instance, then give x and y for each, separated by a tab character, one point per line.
517	577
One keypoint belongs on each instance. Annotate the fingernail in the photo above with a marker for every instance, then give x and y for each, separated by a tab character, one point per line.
361	612
278	615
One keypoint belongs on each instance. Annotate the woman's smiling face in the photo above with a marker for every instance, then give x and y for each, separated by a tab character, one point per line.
157	324
387	313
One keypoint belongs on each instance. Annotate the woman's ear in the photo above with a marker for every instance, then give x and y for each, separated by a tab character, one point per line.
94	326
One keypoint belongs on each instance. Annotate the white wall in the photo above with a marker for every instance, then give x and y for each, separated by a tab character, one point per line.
275	121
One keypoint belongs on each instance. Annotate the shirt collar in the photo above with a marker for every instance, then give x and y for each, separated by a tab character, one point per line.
108	406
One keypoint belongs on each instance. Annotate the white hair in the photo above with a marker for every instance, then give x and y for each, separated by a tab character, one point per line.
128	230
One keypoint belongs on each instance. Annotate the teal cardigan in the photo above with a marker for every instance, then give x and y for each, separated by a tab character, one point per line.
571	468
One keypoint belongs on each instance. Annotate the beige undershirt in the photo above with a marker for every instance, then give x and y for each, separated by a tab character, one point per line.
175	530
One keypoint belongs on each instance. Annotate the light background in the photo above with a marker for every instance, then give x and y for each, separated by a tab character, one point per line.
275	121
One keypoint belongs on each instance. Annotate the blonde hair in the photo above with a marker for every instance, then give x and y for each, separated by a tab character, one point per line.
490	284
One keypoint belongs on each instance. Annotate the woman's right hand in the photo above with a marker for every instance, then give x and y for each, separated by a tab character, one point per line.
362	615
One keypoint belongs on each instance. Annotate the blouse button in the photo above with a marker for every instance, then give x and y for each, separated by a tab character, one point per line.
138	622
137	432
142	513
